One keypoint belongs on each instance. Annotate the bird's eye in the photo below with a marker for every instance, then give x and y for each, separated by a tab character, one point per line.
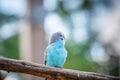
60	35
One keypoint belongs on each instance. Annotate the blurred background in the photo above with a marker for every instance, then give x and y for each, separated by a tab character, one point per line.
92	29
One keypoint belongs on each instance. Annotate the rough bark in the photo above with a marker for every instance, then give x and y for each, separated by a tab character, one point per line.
35	69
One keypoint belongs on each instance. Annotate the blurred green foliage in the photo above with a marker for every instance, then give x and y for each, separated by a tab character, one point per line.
78	58
10	47
78	54
6	18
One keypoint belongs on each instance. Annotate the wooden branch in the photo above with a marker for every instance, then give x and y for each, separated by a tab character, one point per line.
35	69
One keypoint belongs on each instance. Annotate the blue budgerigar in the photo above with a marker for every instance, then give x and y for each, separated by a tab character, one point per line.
55	54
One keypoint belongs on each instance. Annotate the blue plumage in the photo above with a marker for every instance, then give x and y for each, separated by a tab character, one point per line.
56	53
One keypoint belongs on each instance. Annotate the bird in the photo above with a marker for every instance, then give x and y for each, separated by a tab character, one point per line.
55	53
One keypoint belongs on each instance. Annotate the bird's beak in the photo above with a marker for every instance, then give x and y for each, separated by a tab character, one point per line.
61	38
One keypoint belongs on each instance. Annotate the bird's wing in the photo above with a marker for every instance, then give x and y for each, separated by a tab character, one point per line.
45	56
47	52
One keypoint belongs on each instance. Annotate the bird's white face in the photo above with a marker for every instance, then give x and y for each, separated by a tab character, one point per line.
57	36
61	37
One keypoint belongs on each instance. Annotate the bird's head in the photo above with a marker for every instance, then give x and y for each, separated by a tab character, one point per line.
57	36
